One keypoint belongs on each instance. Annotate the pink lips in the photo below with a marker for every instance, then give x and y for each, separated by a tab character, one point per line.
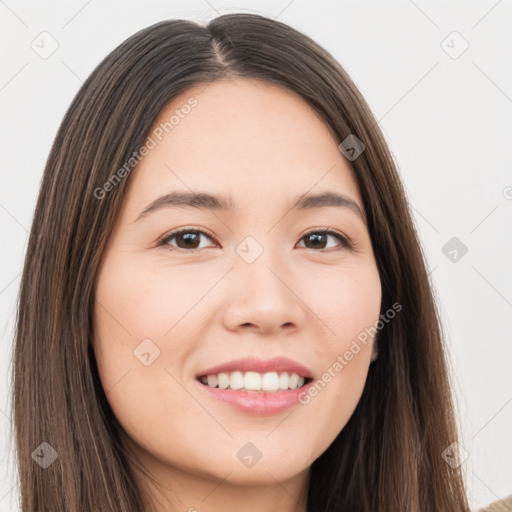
261	403
253	364
256	402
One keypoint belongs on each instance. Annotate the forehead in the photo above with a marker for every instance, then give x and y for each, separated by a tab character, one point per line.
246	137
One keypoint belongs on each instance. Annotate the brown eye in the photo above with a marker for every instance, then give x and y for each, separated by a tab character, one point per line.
319	239
186	239
189	240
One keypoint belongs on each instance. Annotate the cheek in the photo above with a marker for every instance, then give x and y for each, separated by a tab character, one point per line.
350	306
348	303
141	309
146	298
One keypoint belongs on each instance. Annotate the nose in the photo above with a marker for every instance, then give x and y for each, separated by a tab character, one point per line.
264	298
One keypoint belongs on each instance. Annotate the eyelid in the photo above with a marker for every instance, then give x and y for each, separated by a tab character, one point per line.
344	239
168	236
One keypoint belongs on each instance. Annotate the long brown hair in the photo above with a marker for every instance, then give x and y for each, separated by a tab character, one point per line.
388	457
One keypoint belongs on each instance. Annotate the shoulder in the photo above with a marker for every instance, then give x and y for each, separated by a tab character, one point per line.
503	505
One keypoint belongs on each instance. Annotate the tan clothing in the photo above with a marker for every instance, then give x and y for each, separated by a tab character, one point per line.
503	505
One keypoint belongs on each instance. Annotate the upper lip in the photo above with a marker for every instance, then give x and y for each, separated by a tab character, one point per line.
254	364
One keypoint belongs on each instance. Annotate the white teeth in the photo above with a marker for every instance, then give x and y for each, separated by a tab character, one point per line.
283	381
223	380
270	381
237	380
254	381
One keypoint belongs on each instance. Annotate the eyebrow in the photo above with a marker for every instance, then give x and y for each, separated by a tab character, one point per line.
206	201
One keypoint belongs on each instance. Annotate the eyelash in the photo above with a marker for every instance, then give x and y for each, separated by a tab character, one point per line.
345	241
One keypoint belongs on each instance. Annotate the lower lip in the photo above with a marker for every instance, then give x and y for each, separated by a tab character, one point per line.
255	402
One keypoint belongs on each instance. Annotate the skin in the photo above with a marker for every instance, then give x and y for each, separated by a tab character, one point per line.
265	146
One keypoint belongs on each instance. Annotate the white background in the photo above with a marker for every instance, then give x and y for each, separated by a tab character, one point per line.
447	121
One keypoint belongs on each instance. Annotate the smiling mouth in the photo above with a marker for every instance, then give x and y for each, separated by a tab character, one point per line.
269	382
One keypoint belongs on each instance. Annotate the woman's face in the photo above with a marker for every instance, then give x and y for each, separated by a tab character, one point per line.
263	281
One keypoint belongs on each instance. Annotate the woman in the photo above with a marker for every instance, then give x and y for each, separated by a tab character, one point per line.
296	361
